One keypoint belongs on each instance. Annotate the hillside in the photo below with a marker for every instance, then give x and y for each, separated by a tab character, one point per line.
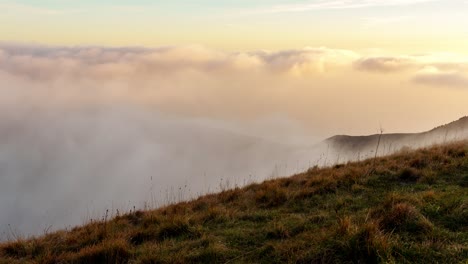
57	164
410	207
362	147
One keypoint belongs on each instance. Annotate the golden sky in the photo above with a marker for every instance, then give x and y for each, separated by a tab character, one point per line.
320	90
333	67
404	26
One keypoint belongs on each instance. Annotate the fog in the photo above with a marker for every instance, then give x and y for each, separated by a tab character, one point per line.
62	168
74	146
89	129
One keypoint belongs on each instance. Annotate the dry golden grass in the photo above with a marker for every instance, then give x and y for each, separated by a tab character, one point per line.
412	208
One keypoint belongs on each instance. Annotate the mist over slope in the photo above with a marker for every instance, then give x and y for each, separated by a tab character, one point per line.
86	129
410	207
351	148
62	168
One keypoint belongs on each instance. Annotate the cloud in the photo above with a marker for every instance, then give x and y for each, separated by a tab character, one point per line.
445	61
385	64
307	60
103	128
99	127
438	69
341	4
58	166
434	77
98	62
43	63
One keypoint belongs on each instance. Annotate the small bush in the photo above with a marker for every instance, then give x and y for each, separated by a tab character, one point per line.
367	245
409	175
403	217
270	196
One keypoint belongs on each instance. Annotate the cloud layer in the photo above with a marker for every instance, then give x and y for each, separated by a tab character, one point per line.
442	70
97	62
441	79
52	63
62	168
85	129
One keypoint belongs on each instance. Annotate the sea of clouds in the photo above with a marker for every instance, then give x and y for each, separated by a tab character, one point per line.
89	129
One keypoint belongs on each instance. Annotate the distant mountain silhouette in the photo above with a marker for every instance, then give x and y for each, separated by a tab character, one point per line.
360	147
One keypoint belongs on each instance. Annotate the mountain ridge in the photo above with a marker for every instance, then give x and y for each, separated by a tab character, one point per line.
365	146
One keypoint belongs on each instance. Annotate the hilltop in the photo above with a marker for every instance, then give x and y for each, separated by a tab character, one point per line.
406	208
362	147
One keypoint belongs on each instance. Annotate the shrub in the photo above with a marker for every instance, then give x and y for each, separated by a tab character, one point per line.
367	245
270	196
403	217
409	175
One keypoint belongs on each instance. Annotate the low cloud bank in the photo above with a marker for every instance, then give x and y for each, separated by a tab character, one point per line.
46	63
82	130
61	168
85	129
384	64
434	77
442	70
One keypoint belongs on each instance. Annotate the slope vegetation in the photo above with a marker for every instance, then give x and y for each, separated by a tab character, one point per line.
410	207
358	147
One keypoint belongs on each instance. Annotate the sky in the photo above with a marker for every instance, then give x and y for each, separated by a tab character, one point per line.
399	53
405	26
111	104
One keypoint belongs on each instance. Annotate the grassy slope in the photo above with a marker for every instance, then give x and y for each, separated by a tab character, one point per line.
412	207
